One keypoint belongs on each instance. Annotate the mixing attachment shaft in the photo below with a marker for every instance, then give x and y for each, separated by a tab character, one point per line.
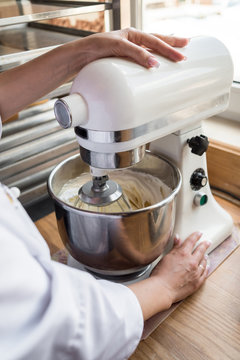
102	192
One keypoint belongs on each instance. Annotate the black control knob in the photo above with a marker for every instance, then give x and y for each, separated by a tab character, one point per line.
198	144
198	179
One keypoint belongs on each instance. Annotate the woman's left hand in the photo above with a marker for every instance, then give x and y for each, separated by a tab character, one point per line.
26	83
134	44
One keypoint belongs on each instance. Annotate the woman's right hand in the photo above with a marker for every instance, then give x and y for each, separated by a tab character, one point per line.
179	274
183	270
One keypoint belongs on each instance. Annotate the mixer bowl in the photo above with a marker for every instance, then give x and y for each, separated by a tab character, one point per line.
116	244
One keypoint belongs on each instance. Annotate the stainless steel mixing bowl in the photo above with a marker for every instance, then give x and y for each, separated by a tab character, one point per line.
119	243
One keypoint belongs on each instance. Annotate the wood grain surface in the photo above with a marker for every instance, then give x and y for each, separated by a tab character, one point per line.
224	167
48	228
206	326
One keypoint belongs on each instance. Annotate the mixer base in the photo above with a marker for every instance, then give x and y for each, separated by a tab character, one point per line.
123	279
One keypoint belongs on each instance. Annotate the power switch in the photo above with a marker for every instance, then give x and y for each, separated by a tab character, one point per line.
200	199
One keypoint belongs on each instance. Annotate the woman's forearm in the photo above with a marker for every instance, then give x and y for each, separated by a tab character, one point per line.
152	297
25	84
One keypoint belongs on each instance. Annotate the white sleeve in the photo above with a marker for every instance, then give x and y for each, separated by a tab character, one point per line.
51	311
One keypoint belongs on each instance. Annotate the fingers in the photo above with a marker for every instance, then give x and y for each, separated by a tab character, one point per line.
200	277
202	266
191	241
199	274
136	53
135	44
156	44
173	41
203	272
200	250
199	263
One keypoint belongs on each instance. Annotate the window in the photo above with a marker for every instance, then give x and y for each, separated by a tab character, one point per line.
219	18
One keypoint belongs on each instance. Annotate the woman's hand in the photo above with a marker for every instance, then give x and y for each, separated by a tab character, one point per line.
180	273
184	269
26	83
136	45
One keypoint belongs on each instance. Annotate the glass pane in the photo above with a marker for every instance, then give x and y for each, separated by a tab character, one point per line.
219	18
10	8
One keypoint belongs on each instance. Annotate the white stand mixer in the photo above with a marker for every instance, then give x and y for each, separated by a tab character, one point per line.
196	207
117	107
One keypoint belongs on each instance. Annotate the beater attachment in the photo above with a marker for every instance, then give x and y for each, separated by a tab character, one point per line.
102	195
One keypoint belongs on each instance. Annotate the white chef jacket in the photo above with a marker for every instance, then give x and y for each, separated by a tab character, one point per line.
51	311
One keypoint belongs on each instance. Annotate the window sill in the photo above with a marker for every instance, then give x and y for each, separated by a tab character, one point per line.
223	129
233	111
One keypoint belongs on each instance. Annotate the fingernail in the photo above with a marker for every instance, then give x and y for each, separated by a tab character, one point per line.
206	257
177	236
199	233
209	242
152	62
185	58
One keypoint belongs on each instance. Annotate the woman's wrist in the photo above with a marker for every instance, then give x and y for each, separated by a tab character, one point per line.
163	293
152	295
82	52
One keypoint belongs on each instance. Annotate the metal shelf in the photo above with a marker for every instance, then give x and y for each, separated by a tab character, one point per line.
30	11
21	43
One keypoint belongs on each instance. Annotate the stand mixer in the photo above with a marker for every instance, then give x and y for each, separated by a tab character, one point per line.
117	107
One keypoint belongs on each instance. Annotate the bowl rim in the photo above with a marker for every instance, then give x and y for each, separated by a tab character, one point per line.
160	204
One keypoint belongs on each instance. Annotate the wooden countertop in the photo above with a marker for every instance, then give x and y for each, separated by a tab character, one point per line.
206	326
